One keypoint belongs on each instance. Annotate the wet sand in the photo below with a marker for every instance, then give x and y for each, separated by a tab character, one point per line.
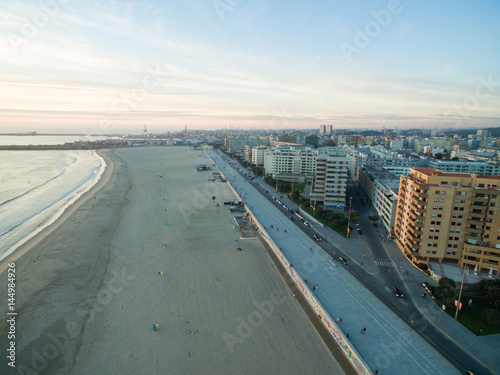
89	292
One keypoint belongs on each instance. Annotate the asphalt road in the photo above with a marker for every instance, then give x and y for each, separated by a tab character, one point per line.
379	285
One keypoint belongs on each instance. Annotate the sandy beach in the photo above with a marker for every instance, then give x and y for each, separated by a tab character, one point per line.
152	248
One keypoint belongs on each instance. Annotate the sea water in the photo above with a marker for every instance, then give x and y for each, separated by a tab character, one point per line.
36	187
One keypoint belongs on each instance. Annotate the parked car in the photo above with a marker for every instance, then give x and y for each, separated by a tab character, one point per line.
291	218
397	292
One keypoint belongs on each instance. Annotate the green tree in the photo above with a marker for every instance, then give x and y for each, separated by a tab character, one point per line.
446	291
491	289
491	316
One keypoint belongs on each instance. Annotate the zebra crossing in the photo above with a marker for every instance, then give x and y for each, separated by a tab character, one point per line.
385	262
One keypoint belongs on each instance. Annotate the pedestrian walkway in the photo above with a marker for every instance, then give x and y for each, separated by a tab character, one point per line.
384	263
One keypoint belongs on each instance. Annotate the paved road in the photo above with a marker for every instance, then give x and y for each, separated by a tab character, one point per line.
379	281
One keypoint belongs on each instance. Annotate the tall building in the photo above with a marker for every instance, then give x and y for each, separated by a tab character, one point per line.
329	188
446	216
325	129
258	154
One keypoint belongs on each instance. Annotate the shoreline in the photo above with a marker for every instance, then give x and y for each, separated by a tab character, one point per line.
68	211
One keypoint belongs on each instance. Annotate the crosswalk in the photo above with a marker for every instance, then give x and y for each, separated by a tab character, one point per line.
384	262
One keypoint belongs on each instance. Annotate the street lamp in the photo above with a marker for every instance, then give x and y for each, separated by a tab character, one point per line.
462	285
349	219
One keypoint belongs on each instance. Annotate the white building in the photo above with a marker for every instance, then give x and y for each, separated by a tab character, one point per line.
329	188
258	155
385	199
478	167
290	160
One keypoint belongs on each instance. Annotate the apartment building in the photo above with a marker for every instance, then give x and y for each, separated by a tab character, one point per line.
449	217
290	160
235	145
330	181
478	167
258	154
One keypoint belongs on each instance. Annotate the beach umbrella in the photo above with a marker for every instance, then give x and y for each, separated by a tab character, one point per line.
160	273
475	269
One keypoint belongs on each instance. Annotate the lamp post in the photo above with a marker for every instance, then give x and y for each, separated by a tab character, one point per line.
349	219
462	285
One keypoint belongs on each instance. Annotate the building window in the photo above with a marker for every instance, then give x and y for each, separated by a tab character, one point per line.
436	199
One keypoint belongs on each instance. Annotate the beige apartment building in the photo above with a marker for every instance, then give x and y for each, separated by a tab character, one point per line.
449	217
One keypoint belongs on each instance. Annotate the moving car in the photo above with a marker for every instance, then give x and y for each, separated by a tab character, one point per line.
307	224
343	260
291	218
317	238
397	292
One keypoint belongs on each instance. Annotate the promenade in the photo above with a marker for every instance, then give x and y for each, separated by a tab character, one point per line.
389	345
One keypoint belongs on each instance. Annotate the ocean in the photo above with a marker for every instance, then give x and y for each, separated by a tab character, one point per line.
36	187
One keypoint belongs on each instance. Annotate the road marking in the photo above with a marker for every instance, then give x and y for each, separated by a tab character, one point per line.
385	262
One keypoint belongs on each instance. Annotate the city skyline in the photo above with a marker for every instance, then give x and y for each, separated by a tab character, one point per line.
106	67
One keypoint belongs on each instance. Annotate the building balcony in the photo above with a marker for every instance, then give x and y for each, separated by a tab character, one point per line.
474	230
480	215
421	210
474	221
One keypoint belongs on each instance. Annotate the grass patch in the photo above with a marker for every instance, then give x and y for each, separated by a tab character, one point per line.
299	187
342	230
471	317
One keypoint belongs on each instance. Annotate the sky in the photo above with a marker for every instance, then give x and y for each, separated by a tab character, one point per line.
110	66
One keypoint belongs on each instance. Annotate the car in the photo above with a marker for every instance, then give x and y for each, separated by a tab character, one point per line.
360	231
301	220
291	218
317	238
307	224
357	225
397	292
425	284
343	261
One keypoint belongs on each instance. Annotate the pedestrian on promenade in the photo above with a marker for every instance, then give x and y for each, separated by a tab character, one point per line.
364	329
317	286
314	287
347	335
340	319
